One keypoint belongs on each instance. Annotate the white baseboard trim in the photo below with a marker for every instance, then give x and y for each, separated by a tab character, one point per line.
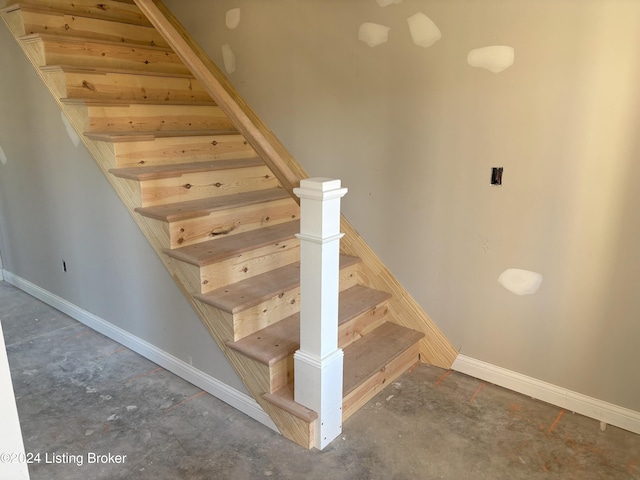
547	392
215	387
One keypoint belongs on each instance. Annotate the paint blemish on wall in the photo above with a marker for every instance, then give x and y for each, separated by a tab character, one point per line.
232	19
423	31
373	34
520	282
385	3
495	58
229	58
3	157
73	136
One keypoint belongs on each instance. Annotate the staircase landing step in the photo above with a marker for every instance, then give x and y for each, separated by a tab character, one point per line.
252	291
206	253
200	208
282	339
149	136
372	352
156	172
369	363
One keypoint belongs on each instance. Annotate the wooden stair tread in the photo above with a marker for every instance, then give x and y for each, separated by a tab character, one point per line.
124	102
250	292
206	253
96	11
106	71
202	207
282	339
371	353
45	37
139	136
283	398
154	172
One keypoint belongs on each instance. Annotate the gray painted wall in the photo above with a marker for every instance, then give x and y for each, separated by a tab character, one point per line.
56	205
413	132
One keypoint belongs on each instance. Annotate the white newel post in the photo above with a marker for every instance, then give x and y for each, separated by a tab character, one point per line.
318	362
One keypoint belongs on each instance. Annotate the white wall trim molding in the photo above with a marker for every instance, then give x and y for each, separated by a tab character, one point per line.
215	387
547	392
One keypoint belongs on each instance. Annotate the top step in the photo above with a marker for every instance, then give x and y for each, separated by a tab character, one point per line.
34	19
124	12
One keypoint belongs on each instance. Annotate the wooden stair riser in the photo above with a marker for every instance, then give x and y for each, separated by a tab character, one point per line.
404	362
163	151
358	327
248	264
137	117
193	186
103	9
281	372
115	86
52	50
281	306
60	23
232	221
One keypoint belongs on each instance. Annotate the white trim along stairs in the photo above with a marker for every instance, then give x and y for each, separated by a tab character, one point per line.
212	190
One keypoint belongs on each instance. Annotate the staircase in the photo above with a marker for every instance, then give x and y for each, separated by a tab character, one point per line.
211	190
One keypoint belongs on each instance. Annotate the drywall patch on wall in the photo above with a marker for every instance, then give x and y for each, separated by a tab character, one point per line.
373	34
73	136
3	157
423	31
232	19
386	3
495	58
520	282
229	58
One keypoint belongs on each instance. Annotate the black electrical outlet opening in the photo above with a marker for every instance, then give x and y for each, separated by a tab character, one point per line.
496	175
64	265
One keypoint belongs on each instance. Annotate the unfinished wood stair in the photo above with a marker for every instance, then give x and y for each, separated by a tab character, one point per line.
211	207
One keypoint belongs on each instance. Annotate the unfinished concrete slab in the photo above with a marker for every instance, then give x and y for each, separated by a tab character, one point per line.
83	397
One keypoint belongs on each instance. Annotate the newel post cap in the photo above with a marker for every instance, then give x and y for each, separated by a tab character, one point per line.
320	188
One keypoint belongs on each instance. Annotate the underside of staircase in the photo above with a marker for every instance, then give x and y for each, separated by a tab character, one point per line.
201	181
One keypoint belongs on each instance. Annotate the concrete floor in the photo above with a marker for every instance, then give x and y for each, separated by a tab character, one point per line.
79	392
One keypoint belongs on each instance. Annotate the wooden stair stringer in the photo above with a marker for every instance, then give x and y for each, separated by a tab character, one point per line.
288	425
435	348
